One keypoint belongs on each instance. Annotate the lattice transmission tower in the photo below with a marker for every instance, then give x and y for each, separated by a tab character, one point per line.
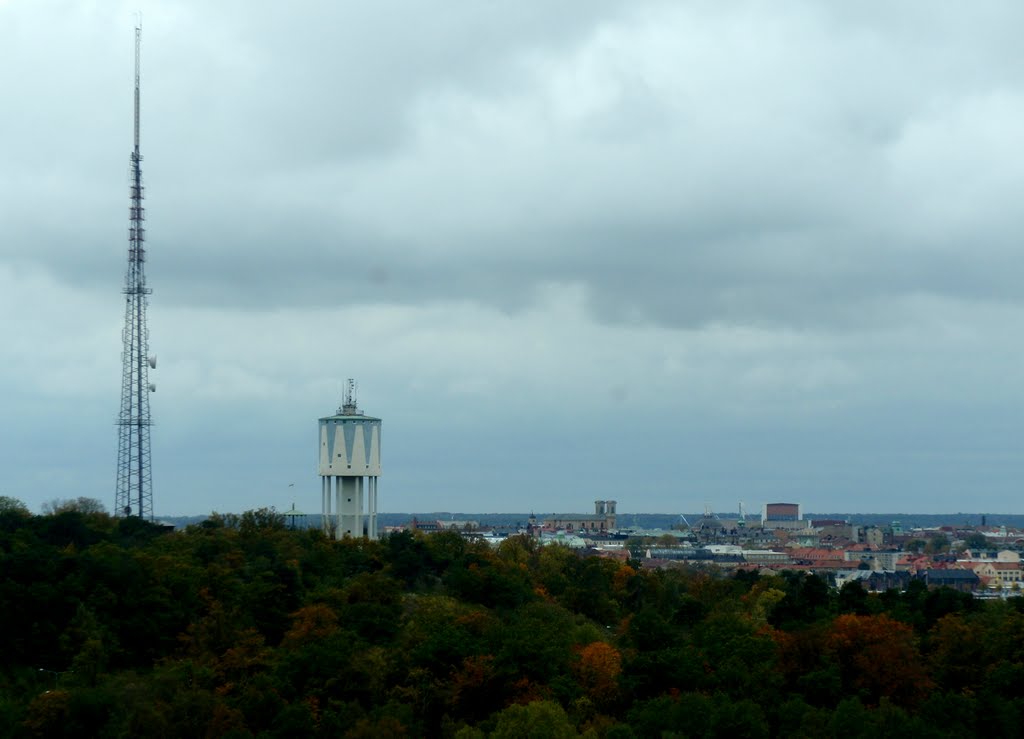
134	495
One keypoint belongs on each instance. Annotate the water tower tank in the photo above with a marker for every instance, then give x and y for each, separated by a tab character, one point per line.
350	444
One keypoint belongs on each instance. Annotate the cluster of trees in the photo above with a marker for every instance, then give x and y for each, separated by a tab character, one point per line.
241	627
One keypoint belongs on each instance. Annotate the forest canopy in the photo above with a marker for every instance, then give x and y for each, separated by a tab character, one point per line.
240	626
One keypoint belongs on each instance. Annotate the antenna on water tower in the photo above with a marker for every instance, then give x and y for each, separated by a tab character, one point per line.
349	407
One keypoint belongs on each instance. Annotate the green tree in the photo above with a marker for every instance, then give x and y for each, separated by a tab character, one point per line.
937	544
976	541
261	521
79	505
538	720
915	545
407	556
741	656
853	599
808	599
520	549
11	505
683	715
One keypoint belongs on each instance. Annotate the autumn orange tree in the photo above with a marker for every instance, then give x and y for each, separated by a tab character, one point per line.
598	669
878	657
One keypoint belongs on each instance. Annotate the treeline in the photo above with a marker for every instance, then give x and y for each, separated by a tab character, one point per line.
240	627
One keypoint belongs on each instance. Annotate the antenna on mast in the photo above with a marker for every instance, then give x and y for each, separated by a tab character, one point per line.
138	46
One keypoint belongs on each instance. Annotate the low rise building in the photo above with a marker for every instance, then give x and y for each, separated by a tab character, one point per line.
874	581
965	581
995	574
766	556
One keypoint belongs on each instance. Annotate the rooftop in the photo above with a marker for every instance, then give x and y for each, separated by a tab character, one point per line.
349	417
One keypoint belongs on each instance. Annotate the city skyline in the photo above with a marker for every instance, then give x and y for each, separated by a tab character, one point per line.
673	255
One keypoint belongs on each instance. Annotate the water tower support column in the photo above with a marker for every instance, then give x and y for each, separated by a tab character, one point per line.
372	500
325	504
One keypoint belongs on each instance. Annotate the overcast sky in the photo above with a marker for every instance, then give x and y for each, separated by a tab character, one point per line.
670	253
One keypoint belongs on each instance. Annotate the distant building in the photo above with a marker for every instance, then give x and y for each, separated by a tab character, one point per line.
873	536
783	516
877	559
427	526
780	512
295	518
459	525
603	519
875	581
766	556
816	557
996	574
836	532
430	525
965	581
821	523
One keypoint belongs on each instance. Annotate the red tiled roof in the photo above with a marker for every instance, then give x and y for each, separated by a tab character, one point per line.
812	553
1006	565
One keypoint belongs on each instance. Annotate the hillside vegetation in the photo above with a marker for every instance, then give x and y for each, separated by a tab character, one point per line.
240	627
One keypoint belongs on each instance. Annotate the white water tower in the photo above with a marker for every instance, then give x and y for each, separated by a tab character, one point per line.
349	455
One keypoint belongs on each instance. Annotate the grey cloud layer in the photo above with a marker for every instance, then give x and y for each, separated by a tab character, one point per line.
739	164
721	173
798	214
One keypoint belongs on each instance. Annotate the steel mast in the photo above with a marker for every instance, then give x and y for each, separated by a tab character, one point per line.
134	495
